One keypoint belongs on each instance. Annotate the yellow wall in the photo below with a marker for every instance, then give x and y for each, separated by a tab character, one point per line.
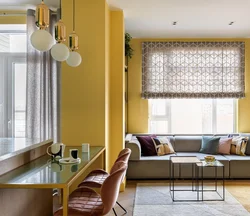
93	93
138	108
12	19
84	88
244	104
107	86
117	88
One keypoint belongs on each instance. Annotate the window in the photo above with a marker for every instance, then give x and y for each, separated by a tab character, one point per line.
13	38
192	116
193	70
13	80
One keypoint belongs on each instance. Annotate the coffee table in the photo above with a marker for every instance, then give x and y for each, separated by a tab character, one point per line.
200	177
180	160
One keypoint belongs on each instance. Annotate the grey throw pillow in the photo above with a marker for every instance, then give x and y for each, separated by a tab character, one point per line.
210	145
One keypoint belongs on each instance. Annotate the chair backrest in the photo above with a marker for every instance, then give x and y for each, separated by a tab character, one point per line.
117	165
110	188
124	155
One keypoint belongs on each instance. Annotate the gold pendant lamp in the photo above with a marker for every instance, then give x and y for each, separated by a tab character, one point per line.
60	52
75	58
41	39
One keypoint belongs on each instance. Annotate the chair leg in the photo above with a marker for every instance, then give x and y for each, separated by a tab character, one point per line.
121	207
114	211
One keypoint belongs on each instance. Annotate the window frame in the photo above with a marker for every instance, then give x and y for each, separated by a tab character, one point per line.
7	71
167	117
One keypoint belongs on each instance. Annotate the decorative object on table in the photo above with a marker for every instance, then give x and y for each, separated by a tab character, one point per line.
163	146
225	146
69	160
41	39
239	145
85	147
59	51
54	165
73	153
56	150
209	145
147	145
209	159
75	58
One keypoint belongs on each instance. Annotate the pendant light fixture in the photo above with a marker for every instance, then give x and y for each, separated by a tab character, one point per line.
59	51
75	58
41	39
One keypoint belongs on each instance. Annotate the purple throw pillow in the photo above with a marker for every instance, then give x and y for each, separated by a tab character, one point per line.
147	145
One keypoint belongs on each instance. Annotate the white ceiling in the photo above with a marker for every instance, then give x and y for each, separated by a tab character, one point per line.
25	4
154	18
195	18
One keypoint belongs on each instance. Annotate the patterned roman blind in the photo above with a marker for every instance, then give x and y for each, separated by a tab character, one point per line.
193	70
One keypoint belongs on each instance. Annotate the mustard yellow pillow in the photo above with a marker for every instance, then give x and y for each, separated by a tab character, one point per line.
163	146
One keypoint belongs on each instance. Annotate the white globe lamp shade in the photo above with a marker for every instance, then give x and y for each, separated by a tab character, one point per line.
74	59
41	40
60	52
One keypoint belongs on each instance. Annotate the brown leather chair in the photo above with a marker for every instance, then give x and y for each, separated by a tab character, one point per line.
96	178
85	201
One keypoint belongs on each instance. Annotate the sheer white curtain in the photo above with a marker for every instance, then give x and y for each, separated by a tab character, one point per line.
43	88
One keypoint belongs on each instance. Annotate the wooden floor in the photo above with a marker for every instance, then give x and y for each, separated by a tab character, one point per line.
239	189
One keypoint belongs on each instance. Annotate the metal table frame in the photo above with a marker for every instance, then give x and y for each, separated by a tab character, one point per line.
222	197
172	179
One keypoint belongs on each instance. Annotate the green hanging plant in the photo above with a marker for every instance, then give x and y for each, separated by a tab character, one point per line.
128	50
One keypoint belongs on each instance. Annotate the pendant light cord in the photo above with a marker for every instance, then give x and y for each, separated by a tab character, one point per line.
60	9
74	15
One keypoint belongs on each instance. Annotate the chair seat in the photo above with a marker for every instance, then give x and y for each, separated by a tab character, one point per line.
83	201
94	180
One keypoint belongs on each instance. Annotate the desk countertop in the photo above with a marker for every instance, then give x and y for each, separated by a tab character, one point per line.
10	147
43	172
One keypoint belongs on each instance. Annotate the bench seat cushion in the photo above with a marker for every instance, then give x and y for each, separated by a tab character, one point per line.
239	166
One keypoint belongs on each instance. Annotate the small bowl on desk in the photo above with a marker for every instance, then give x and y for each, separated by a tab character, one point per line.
209	159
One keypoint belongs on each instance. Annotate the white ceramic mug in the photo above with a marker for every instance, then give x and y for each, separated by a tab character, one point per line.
56	150
73	154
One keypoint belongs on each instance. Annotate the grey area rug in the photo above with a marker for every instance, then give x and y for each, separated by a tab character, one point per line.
153	199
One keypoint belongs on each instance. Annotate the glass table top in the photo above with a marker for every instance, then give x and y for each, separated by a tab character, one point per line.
212	164
46	171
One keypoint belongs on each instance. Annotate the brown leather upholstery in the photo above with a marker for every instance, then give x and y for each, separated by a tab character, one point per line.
96	178
124	155
111	187
85	201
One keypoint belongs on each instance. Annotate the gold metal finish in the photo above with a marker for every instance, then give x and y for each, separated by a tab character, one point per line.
12	179
42	16
73	41
60	31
